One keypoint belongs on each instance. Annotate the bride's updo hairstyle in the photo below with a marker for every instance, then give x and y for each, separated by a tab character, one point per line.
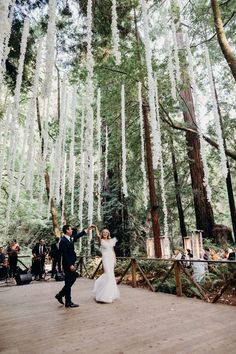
108	236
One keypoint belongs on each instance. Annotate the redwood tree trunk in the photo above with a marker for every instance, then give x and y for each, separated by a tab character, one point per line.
223	42
228	179
203	210
178	195
152	192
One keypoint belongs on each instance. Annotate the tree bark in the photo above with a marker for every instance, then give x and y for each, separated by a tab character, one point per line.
178	195
203	210
152	192
223	42
229	186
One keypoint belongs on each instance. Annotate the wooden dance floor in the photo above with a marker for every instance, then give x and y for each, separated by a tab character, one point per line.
33	322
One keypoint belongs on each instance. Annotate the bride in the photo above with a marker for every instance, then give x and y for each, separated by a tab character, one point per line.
105	288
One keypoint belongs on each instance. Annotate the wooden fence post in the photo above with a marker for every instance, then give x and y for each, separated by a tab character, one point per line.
134	269
178	282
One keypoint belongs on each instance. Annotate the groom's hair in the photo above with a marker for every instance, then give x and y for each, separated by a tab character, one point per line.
65	228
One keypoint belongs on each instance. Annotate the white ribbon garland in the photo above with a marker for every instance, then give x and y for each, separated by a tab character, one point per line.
5	29
50	48
151	96
63	188
30	121
61	139
99	154
106	155
143	169
218	128
81	169
89	117
5	132
176	52
115	34
171	72
123	140
162	182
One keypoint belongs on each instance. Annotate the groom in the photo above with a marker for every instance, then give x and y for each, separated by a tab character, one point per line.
66	247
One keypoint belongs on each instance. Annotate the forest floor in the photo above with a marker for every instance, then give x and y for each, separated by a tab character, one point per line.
227	298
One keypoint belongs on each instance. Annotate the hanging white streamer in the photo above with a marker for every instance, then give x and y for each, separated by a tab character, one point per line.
171	73
72	161
50	47
5	132
176	51
89	117
162	182
61	139
5	28
81	169
124	183
115	34
106	155
143	169
14	127
99	154
216	117
63	188
151	96
30	123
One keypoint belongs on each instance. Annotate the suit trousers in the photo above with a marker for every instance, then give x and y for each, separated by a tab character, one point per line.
70	278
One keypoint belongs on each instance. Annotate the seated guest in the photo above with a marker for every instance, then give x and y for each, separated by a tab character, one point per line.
3	260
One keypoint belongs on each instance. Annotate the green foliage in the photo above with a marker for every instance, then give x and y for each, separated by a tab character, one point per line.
126	217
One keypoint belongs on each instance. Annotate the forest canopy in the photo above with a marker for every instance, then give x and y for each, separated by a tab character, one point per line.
119	113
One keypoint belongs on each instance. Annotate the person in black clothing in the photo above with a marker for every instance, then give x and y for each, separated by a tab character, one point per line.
12	250
68	262
2	257
55	254
232	257
39	254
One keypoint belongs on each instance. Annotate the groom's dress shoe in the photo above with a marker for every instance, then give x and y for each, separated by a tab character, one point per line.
59	299
71	305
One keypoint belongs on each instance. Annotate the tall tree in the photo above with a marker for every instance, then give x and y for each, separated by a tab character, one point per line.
203	209
224	44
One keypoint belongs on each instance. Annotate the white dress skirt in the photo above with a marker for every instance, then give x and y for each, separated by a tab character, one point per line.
105	287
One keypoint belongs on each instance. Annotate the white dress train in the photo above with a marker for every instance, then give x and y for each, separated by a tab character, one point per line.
105	287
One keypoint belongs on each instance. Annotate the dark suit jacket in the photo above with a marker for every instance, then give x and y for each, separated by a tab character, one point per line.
35	250
67	250
54	251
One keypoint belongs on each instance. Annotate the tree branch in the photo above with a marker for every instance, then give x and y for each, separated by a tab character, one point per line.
167	119
213	36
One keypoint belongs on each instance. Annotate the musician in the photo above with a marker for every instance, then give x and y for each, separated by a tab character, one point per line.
12	250
39	254
55	254
3	260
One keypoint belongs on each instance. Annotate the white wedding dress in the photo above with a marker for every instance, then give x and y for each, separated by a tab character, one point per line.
105	288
